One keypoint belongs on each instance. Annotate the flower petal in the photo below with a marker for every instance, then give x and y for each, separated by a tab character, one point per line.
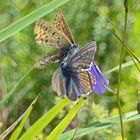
101	82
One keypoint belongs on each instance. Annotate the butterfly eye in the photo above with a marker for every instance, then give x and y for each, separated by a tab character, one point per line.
73	49
74	46
62	64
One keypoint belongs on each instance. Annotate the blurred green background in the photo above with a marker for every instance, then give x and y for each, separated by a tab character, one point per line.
88	21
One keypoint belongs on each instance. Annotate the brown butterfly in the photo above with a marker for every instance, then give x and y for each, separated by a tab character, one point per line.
57	35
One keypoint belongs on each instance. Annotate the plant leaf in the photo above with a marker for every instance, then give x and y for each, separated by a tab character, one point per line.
17	132
64	123
38	126
30	18
100	125
24	116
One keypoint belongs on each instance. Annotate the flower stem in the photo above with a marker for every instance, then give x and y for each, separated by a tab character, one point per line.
120	64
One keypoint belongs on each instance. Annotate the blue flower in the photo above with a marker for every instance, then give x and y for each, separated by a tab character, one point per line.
101	83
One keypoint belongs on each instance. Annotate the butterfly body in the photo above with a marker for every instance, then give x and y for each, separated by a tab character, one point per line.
65	69
67	52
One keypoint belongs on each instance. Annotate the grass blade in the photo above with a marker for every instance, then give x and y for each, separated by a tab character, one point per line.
64	123
24	116
124	65
34	130
99	126
17	132
30	18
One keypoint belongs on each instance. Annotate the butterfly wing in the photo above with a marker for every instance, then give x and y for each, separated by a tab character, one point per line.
79	64
58	83
49	35
61	24
83	82
52	57
83	58
80	84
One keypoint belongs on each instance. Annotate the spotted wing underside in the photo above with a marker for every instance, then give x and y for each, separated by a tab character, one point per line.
47	34
61	24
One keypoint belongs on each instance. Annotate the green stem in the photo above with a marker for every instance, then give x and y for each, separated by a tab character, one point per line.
120	66
117	34
129	51
73	137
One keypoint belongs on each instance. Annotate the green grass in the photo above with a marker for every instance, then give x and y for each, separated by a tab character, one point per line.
43	122
40	124
30	18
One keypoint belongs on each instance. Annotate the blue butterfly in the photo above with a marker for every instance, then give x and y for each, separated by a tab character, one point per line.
79	75
75	72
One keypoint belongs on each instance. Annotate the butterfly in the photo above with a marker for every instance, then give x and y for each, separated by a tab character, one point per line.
74	73
57	35
80	75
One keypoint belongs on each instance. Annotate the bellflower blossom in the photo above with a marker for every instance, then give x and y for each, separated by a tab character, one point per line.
101	82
